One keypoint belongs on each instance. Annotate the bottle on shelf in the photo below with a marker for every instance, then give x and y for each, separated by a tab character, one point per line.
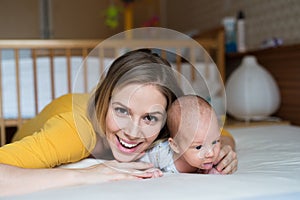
240	32
229	24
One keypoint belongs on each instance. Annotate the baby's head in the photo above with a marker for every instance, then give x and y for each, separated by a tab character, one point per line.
194	132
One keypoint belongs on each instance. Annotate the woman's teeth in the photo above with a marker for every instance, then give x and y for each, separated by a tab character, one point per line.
123	143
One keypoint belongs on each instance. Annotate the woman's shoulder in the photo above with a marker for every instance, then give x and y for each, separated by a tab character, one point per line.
72	98
62	108
67	103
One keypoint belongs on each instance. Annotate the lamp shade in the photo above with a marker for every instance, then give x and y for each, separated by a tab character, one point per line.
252	93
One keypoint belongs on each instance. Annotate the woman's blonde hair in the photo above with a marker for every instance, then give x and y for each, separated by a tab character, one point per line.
138	66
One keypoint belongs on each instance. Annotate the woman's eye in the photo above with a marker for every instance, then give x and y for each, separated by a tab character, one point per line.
198	147
151	118
121	111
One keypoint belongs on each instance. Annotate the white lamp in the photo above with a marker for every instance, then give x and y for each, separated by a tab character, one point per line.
252	93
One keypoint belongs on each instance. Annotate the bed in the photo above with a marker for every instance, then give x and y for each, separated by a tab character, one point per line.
33	72
269	155
268	169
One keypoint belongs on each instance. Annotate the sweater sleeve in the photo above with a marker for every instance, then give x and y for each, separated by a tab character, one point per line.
57	142
226	133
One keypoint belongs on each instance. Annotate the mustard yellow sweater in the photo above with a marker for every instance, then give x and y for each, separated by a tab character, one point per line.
60	134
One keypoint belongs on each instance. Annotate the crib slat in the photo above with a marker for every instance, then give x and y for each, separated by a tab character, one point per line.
116	52
52	76
17	67
35	82
101	60
85	66
2	123
178	64
164	54
193	63
68	56
206	64
220	60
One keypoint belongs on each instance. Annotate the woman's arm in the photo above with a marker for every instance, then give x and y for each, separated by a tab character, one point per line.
16	180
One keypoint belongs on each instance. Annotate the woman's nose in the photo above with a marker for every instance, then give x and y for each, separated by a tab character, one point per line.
133	129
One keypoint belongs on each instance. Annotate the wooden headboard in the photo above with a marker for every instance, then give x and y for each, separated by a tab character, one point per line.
284	64
214	44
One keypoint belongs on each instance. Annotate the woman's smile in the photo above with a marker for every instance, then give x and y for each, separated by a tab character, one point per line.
126	145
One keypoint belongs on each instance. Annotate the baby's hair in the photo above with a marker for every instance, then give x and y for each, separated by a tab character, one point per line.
185	111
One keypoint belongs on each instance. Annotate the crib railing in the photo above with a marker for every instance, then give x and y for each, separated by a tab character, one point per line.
69	48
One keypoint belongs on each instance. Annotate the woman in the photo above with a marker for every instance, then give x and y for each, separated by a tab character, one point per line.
126	115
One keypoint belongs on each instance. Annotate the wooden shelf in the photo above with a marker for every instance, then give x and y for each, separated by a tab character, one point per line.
233	123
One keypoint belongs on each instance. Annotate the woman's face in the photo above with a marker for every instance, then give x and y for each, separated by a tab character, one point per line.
135	117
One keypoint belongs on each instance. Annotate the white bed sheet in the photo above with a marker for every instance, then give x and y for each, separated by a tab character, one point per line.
77	73
269	168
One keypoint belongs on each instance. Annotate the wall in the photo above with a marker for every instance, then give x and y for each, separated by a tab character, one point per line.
85	19
80	19
20	19
265	18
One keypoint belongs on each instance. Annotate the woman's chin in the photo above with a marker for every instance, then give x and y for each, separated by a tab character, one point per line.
121	157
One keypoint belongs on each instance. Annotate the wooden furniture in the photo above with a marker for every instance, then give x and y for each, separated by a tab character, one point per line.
284	64
52	49
218	52
231	123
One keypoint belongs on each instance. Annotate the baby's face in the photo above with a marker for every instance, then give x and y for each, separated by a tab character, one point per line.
204	148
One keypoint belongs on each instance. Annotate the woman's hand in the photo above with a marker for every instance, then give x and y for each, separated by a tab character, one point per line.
138	169
227	160
114	170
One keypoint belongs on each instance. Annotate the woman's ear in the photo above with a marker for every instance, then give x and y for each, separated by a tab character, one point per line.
173	145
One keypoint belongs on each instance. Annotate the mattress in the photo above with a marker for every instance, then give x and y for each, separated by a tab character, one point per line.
269	160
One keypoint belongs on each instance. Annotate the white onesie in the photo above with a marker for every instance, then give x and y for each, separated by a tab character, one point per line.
161	156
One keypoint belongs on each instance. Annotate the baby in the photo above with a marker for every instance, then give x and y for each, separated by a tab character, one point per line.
194	142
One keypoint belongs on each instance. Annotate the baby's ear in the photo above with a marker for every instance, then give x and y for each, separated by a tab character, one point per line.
173	145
